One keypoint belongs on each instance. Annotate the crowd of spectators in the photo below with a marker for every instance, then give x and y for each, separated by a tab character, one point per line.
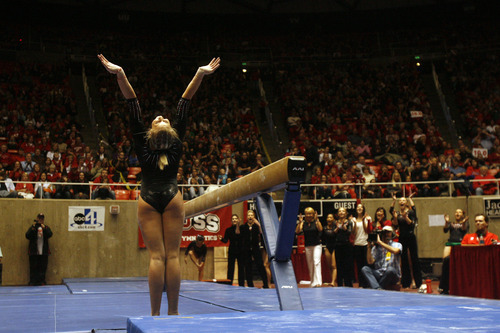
356	124
352	120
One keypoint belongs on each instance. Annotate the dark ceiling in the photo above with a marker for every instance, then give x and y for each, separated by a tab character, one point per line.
254	6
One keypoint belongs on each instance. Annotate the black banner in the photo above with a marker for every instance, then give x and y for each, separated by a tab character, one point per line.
323	207
492	207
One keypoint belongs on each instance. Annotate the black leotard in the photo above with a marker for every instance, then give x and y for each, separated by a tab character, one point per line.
329	238
158	187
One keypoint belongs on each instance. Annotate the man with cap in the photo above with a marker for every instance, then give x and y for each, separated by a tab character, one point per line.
385	257
38	234
197	250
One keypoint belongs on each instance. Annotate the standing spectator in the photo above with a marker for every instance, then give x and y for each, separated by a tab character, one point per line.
457	230
120	166
329	239
197	251
235	253
380	220
406	220
343	249
251	234
38	235
361	229
312	230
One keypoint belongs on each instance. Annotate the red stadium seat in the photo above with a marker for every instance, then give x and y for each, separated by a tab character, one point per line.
122	194
134	194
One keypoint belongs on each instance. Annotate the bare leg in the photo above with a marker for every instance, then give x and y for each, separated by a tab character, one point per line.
150	222
173	222
446	251
267	265
332	264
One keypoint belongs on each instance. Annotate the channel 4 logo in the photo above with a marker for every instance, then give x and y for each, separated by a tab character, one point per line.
86	218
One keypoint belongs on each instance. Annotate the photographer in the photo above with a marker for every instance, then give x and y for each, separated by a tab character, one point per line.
38	235
385	256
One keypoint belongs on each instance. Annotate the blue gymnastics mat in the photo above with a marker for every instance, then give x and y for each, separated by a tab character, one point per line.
117	305
330	310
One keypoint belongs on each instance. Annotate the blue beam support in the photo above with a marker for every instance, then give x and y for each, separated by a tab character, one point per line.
278	238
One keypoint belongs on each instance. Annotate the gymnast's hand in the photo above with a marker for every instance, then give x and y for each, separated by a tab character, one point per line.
210	68
110	67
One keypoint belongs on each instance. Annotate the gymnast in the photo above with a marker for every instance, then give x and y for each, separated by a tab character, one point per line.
160	209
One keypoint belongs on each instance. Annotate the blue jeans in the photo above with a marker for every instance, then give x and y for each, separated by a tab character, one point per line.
377	280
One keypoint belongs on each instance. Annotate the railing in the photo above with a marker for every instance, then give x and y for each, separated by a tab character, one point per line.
464	187
130	191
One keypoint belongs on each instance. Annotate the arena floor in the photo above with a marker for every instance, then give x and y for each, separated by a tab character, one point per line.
122	304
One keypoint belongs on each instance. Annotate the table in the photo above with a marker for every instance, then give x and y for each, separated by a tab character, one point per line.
475	271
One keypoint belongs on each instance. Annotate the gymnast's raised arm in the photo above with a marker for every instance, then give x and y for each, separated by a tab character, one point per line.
125	87
198	77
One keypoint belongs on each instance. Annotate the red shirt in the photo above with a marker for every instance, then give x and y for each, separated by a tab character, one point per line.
472	238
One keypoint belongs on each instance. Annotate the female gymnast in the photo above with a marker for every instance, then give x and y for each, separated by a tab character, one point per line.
160	209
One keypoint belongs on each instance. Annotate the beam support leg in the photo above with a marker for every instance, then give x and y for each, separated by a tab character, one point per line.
278	238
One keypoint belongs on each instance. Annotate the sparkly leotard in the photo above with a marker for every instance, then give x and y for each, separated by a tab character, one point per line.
158	186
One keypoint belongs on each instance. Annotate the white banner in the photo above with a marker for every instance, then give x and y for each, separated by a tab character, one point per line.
480	152
416	114
81	218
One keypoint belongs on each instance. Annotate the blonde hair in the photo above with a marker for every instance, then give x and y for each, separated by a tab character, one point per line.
162	139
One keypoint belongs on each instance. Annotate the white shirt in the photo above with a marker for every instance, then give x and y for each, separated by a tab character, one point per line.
361	237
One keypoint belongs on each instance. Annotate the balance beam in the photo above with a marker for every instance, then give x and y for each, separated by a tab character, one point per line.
272	177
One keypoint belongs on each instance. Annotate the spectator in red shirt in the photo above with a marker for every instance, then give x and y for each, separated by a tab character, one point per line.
5	156
36	173
25	189
482	236
316	177
16	172
52	174
485	187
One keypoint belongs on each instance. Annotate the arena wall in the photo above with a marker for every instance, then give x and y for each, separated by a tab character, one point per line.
114	252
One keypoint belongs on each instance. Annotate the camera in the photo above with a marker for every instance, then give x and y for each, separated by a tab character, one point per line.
372	237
